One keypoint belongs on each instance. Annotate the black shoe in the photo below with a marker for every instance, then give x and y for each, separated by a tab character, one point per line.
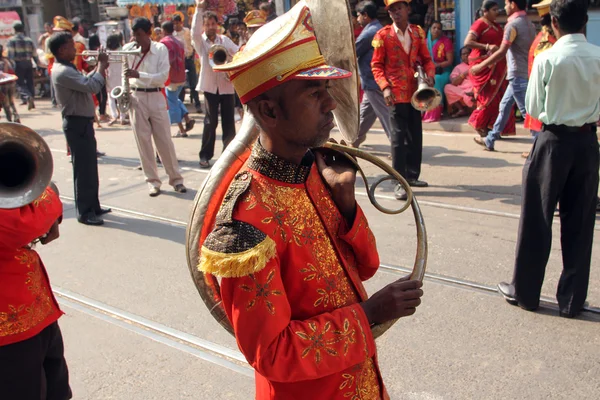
179	188
417	183
507	290
400	193
103	211
100	153
91	219
572	313
204	164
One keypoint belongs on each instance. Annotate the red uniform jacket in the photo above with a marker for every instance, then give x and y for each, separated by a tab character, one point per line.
543	41
292	277
27	304
393	67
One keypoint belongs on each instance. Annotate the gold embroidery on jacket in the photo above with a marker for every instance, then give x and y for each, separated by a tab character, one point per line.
262	292
321	340
293	217
20	318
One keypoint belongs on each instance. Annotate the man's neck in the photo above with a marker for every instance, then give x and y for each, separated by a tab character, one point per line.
402	25
283	150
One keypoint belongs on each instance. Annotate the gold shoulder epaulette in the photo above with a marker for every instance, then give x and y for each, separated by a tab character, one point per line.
376	43
234	248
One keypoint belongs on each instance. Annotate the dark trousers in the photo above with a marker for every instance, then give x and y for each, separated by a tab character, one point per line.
102	97
82	141
562	167
407	140
24	72
192	80
211	121
35	369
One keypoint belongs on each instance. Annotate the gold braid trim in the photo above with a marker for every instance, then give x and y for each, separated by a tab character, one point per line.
237	265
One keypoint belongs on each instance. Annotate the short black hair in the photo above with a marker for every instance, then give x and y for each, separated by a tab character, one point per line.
571	15
113	41
75	26
367	7
463	48
57	40
210	14
19	27
177	18
94	42
522	4
546	20
141	23
168	27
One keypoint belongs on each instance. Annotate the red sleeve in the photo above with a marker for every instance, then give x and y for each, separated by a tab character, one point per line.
21	226
477	29
286	350
378	60
363	244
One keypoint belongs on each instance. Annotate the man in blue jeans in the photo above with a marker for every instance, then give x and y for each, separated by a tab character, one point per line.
519	33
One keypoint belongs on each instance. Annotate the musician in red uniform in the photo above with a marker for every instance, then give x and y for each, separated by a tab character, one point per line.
543	41
398	48
290	242
32	364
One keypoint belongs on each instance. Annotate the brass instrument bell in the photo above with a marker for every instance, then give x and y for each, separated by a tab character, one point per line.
426	97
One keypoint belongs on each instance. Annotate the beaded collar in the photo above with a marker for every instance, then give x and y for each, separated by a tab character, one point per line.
277	168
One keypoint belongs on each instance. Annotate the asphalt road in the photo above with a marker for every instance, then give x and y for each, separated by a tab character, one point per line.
136	328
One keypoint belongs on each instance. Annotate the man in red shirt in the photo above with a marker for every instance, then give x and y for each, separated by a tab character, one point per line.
397	50
32	364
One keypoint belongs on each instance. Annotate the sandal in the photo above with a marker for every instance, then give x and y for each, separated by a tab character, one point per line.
189	125
204	164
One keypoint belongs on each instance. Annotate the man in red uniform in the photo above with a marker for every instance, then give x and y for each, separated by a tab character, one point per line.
32	364
290	243
398	49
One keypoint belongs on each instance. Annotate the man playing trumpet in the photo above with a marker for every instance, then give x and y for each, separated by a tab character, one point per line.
290	243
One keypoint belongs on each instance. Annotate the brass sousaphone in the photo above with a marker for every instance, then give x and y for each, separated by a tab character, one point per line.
333	28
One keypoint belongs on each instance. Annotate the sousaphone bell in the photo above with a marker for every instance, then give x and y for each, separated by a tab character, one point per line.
426	98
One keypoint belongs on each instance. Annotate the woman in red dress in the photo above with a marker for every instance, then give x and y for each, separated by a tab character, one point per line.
484	38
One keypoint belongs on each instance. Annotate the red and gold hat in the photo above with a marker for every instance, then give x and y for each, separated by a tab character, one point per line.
282	50
62	24
255	18
388	3
543	7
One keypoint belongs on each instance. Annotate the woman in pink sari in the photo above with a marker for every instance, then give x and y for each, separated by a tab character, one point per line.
485	37
459	92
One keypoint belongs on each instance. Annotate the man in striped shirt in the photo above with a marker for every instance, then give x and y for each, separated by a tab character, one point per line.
21	50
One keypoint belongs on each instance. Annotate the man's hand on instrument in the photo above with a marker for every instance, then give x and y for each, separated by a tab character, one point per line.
430	80
340	176
131	73
102	56
52	234
396	300
388	96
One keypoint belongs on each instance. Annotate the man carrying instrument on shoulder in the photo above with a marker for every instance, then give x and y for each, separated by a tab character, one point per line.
397	50
290	243
32	363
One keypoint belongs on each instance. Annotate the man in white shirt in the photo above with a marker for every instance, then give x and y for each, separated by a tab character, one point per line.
148	113
218	90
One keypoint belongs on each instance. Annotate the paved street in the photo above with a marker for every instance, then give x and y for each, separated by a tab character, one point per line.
136	328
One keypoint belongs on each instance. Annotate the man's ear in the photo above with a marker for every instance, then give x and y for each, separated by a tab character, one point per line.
268	112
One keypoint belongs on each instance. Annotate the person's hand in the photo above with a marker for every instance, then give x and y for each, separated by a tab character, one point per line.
430	81
388	96
476	69
102	56
398	299
492	48
131	73
340	175
51	235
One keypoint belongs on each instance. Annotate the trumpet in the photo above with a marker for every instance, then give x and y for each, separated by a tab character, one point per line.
217	55
114	56
425	98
